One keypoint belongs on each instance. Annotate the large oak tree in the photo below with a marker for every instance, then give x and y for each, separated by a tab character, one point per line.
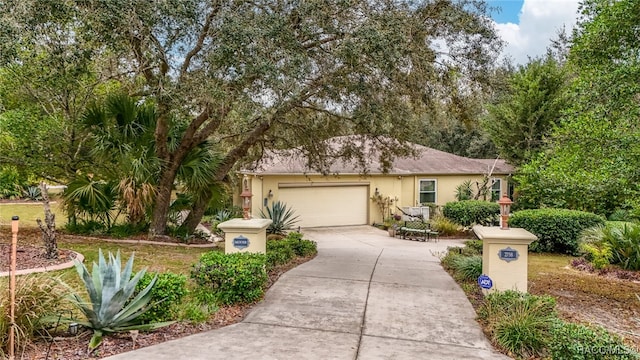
268	73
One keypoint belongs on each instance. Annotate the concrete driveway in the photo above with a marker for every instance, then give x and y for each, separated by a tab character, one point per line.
365	296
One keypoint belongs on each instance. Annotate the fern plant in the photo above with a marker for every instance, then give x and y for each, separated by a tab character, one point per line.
110	289
283	218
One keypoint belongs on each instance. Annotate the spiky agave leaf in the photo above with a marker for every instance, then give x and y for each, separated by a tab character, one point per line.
110	288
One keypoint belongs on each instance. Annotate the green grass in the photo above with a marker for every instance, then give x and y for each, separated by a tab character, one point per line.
29	212
542	264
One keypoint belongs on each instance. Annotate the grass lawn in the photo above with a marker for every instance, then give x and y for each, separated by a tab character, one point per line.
29	212
585	297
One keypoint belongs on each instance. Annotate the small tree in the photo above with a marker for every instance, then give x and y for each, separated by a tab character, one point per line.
49	226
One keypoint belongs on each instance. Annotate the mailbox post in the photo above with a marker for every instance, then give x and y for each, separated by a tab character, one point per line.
504	258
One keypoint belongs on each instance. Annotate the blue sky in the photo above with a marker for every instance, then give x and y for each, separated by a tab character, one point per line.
527	26
509	10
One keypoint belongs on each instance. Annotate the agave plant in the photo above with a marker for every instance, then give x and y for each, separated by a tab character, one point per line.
110	290
283	218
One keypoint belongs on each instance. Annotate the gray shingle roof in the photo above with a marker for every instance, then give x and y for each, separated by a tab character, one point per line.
428	161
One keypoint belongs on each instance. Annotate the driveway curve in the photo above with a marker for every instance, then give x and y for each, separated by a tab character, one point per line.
365	296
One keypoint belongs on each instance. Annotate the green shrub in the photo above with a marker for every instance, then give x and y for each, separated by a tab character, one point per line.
279	252
474	245
444	226
195	313
301	247
468	267
518	322
471	212
38	297
625	245
232	278
579	342
557	230
167	293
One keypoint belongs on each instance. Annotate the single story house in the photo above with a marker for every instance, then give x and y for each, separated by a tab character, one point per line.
345	196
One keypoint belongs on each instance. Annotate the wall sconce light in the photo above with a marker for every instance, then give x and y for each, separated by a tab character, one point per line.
376	193
270	195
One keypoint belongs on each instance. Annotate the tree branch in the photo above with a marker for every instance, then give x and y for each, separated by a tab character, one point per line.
200	42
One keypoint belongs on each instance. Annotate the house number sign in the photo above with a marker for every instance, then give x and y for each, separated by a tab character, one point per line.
240	242
508	254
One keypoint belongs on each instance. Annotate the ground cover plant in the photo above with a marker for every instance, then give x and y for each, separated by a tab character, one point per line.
594	312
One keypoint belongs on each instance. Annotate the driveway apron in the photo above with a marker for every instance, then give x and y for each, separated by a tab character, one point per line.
365	296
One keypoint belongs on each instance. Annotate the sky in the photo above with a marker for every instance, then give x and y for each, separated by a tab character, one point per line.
527	26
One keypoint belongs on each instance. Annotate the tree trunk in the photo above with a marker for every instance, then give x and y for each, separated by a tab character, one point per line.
49	226
158	227
195	215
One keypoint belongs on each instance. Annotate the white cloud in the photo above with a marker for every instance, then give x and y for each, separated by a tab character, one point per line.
540	21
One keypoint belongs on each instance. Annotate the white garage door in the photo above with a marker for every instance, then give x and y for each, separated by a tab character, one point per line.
327	205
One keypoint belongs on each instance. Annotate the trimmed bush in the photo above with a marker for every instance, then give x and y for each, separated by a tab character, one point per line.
471	212
557	230
166	294
232	278
519	322
279	252
576	341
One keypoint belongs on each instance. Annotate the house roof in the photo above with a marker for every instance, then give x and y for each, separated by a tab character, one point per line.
427	161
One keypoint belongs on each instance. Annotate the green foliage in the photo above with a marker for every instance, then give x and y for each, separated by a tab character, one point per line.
90	199
11	182
464	191
301	247
557	229
167	293
33	193
195	313
444	226
356	34
592	158
579	342
475	245
468	267
519	322
471	212
598	255
232	278
38	297
624	243
283	218
112	306
527	112
279	252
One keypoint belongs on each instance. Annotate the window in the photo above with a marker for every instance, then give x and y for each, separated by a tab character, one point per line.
427	191
496	187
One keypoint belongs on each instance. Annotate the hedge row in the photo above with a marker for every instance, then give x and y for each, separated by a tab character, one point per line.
471	212
557	230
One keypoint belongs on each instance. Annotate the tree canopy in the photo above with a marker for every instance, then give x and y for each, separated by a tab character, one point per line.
592	159
251	75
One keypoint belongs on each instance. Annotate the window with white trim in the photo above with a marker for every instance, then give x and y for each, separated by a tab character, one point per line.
496	187
427	191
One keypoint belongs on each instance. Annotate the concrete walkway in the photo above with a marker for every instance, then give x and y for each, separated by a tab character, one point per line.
365	296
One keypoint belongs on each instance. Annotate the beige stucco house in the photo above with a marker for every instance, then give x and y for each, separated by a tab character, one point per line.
344	198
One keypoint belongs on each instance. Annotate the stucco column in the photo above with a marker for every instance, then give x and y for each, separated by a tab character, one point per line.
242	235
504	258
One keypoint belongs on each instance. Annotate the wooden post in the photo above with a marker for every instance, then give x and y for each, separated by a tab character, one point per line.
12	286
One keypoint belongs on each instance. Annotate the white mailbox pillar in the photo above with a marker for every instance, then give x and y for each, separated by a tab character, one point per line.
504	258
242	235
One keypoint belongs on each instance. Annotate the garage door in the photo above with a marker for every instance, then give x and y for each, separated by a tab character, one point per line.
327	205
